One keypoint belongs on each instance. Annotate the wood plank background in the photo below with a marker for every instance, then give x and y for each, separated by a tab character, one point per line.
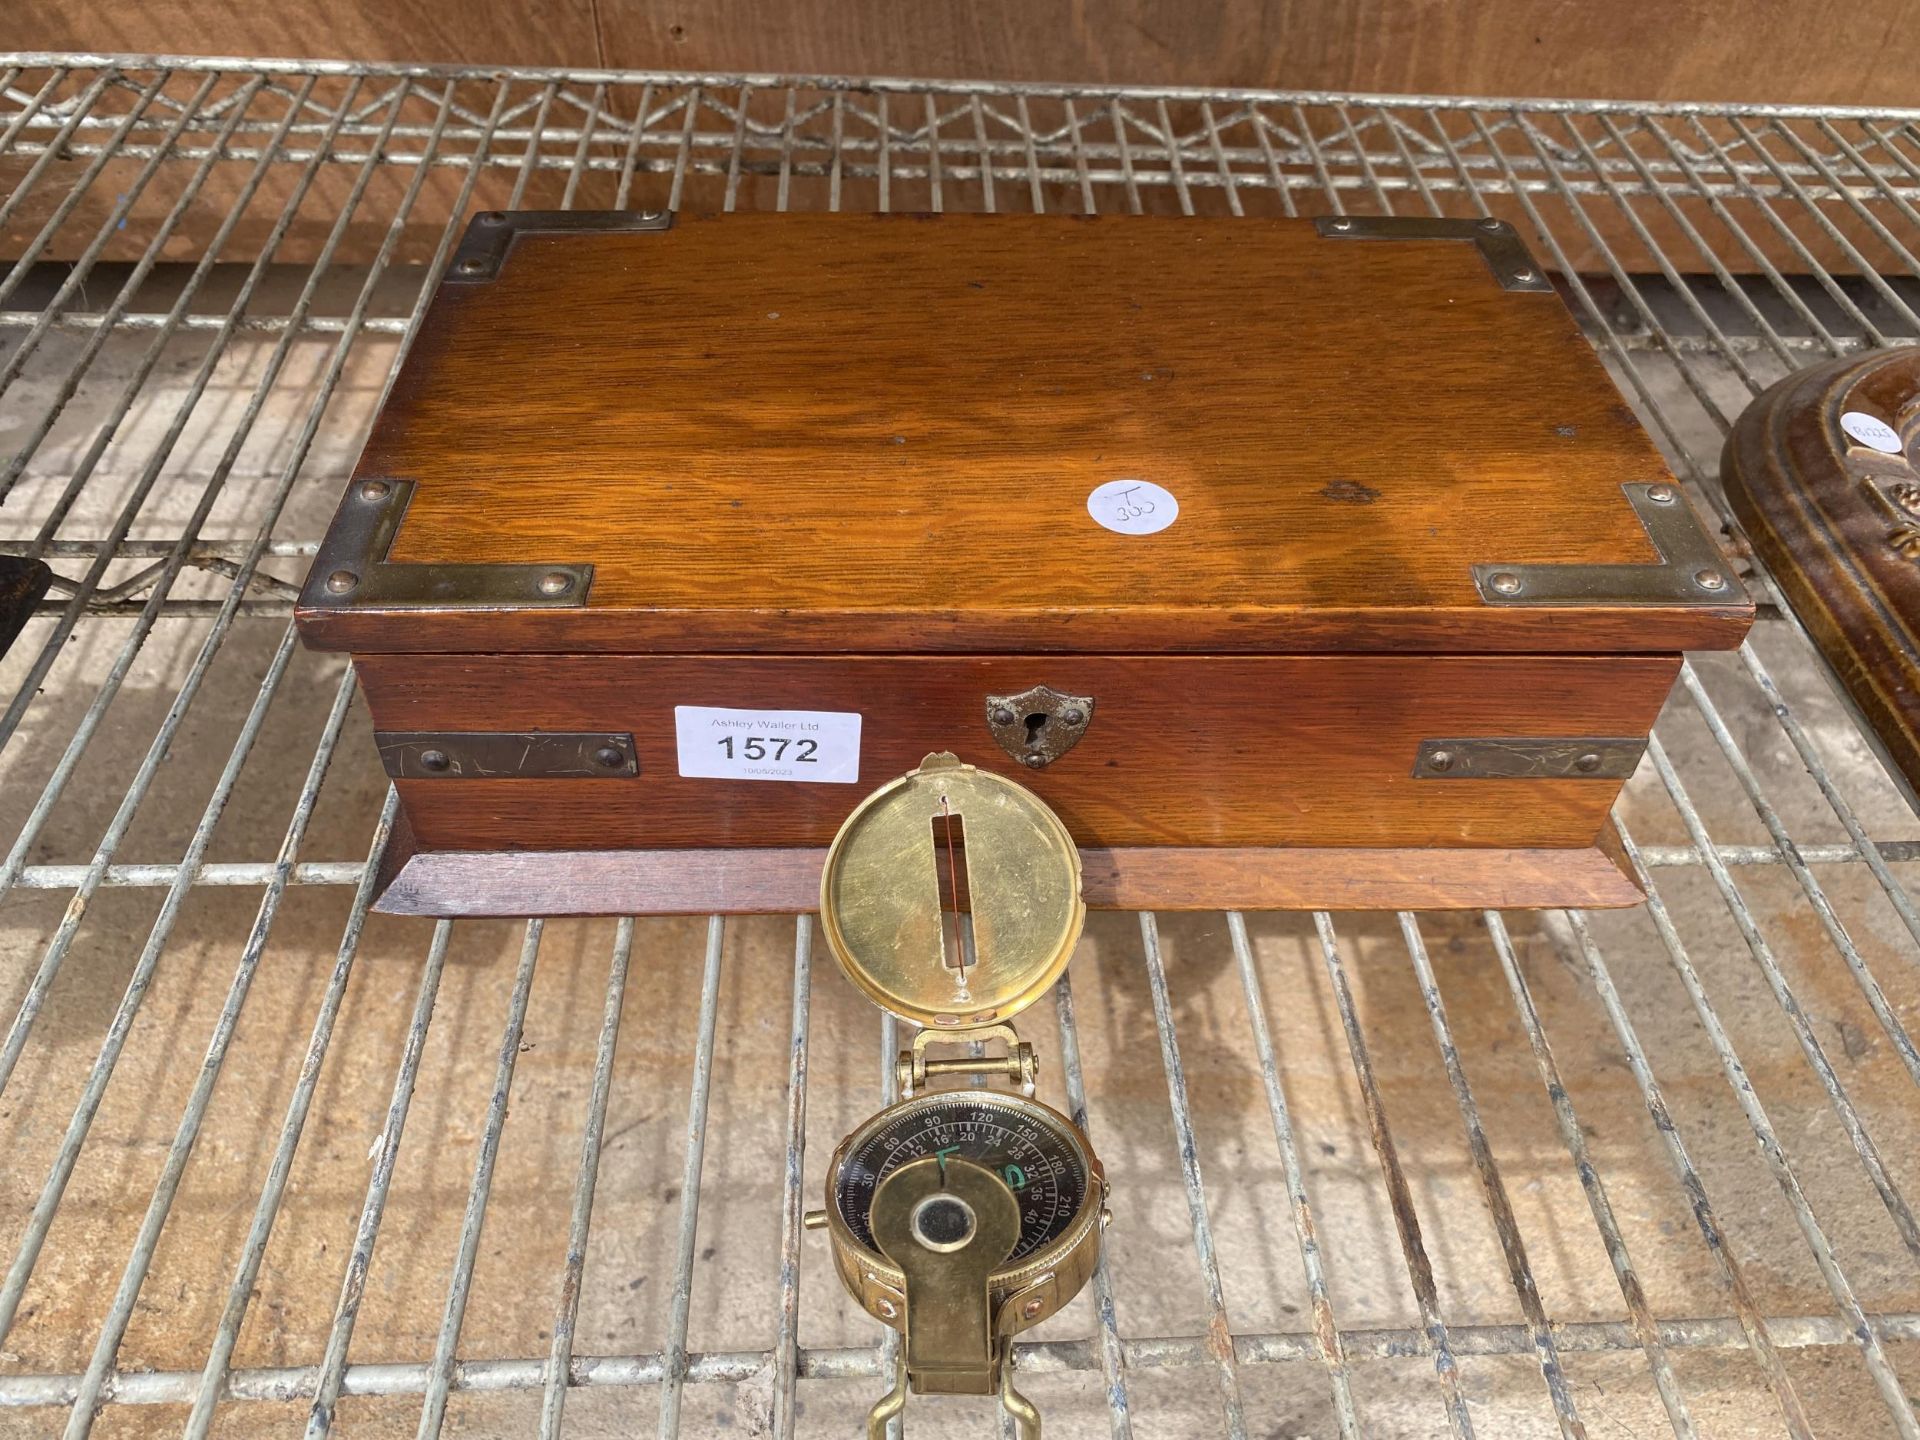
1829	51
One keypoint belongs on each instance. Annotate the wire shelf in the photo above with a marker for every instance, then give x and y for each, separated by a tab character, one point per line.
275	1163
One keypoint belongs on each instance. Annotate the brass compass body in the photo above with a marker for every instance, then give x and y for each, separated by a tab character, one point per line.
1039	1154
959	1216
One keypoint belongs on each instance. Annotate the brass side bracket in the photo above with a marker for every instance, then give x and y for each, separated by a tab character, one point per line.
492	234
1499	245
1529	757
506	754
1690	570
351	570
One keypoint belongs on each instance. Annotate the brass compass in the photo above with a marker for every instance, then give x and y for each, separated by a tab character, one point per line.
959	1216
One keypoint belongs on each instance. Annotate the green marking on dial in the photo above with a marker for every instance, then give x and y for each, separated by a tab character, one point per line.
942	1154
1016	1177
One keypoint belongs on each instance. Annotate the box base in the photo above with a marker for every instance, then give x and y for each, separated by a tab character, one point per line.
744	881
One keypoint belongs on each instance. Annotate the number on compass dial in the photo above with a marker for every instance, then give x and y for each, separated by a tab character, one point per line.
1029	1149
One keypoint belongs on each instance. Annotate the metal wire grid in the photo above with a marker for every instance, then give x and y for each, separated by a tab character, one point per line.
1706	249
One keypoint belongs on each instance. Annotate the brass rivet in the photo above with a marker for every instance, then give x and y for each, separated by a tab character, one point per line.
555	582
1106	1217
1440	760
1342	225
1660	494
1074	717
472	265
1032	1308
886	1308
1709	579
1587	763
1003	716
609	757
493	217
434	760
375	490
341	581
1492	224
1525	277
1033	762
1504	582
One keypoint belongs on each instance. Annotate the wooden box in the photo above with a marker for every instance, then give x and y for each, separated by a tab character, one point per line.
654	494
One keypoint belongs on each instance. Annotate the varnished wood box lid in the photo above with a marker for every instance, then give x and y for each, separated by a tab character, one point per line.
832	433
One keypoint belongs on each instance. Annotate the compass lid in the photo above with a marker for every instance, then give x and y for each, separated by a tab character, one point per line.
951	896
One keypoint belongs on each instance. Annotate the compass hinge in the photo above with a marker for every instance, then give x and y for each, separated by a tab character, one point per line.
912	1069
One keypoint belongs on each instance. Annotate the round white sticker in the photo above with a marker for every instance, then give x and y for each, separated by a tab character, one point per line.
1133	507
1872	432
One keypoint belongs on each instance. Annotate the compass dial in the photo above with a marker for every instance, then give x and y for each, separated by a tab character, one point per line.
1034	1149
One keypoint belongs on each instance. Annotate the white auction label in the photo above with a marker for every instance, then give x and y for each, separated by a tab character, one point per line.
1871	431
721	744
1133	507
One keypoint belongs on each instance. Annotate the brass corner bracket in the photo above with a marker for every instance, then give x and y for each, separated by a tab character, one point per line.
1690	571
351	571
492	234
1500	246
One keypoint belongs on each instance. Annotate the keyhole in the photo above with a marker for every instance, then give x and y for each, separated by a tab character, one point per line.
1036	722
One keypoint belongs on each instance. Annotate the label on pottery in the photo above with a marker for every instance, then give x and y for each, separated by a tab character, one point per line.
1871	431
